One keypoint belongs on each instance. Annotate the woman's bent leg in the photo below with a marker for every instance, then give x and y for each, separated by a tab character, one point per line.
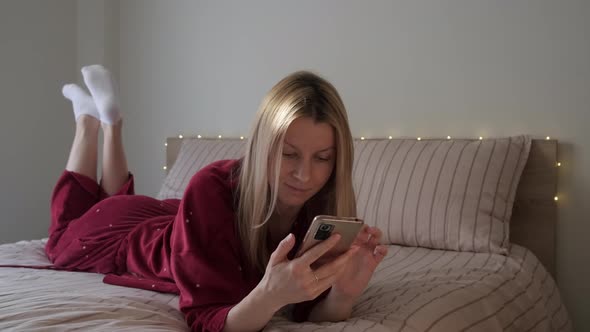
115	172
79	214
84	153
104	92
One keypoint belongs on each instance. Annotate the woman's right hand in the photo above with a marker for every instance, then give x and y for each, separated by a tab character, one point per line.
292	281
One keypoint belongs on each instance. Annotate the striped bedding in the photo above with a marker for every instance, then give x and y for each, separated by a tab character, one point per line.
414	289
437	193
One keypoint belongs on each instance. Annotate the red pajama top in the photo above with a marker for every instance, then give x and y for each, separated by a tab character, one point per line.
196	251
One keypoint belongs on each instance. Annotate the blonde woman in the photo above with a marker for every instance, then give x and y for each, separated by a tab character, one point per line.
227	247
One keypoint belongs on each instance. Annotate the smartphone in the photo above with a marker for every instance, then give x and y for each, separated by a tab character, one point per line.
323	226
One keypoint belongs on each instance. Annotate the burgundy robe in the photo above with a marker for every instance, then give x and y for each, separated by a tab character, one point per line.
189	246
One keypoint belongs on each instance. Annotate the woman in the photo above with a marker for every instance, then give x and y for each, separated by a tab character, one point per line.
227	247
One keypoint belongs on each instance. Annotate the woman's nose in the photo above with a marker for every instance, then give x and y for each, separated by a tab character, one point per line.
303	171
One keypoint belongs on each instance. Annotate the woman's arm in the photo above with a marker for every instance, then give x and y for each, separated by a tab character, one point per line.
355	278
251	314
285	282
333	308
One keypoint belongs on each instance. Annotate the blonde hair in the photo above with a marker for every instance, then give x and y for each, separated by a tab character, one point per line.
301	94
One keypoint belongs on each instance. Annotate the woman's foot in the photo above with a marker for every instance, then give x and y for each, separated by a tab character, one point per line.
82	102
104	93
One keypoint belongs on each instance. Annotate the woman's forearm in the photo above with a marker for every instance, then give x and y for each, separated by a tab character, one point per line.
332	308
251	314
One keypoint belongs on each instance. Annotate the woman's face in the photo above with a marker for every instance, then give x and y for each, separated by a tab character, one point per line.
309	154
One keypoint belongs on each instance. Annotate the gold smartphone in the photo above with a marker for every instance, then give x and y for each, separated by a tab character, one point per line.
323	226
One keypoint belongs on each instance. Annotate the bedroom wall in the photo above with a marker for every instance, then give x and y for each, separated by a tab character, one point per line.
404	68
37	53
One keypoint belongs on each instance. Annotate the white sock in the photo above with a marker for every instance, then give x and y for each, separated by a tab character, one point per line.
104	92
81	101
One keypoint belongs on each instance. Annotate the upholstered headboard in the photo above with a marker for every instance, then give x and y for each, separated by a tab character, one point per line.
534	216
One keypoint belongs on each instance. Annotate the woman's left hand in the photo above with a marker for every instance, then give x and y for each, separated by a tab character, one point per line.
360	267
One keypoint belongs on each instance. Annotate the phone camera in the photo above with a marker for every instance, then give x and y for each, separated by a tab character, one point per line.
324	231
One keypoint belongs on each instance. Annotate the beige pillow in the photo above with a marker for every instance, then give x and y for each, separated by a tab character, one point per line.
194	154
444	194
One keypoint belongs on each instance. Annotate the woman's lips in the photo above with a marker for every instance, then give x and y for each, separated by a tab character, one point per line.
296	189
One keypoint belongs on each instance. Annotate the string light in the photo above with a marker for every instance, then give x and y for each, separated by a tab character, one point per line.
390	137
419	138
556	198
362	138
558	164
480	138
166	144
547	138
165	168
241	137
219	136
448	137
199	136
180	136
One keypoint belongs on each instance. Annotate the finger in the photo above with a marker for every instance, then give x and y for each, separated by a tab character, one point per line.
319	249
373	242
328	281
331	268
376	233
283	249
364	233
380	252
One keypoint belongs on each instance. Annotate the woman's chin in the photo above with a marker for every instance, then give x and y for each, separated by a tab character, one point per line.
293	203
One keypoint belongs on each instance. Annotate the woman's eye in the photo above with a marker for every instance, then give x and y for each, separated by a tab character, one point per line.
324	158
289	155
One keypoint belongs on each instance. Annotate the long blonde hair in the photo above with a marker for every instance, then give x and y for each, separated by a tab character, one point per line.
301	94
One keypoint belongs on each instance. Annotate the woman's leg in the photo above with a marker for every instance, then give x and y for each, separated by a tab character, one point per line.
115	172
83	155
76	191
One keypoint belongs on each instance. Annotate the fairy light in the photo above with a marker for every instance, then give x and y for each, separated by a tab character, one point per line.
390	137
180	136
556	198
362	138
480	138
558	164
419	138
241	137
199	136
165	167
218	136
548	138
166	144
448	137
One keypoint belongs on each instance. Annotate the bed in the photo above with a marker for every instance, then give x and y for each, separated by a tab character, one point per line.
459	284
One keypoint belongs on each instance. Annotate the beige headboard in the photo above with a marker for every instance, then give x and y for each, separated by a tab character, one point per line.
534	215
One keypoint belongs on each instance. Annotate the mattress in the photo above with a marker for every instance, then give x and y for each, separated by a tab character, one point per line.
413	289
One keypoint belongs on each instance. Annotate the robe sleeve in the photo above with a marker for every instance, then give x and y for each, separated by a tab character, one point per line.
205	259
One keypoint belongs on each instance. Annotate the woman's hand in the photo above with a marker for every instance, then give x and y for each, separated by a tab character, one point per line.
291	281
359	270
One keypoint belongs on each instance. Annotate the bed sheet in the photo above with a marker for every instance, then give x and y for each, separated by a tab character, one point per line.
414	289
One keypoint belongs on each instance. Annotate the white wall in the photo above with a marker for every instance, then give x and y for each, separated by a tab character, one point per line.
37	56
97	34
404	68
